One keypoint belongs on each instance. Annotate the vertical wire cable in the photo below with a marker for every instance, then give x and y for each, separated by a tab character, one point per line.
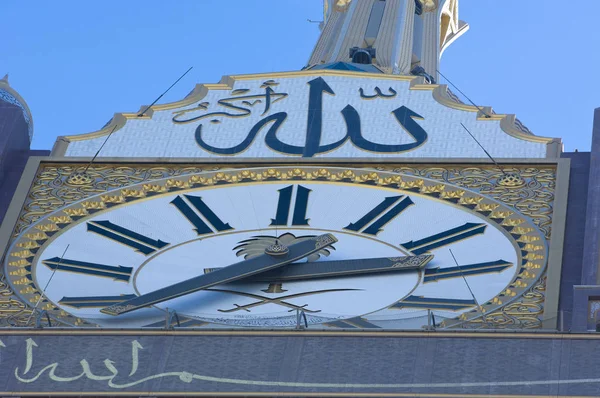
47	284
166	91
98	152
139	115
468	286
486	152
465	95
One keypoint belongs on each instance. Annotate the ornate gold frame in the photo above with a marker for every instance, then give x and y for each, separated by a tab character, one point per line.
528	189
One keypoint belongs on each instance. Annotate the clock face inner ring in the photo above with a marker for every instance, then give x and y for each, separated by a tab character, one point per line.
248	302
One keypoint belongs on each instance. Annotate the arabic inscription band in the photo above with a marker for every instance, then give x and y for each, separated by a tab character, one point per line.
313	145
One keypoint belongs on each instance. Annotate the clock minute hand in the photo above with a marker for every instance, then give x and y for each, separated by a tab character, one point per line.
231	273
338	268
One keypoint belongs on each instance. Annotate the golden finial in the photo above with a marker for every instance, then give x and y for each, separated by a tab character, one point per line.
428	5
342	5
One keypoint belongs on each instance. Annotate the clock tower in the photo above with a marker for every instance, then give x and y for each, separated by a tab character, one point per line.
356	193
397	36
361	145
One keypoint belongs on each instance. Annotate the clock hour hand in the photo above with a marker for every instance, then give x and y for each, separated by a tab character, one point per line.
274	257
338	268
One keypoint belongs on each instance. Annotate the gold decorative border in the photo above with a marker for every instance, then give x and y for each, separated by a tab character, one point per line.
439	93
524	189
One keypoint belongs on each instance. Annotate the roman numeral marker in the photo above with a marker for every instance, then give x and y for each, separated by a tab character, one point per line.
377	218
141	243
118	273
444	238
94	301
198	204
285	202
434	303
436	274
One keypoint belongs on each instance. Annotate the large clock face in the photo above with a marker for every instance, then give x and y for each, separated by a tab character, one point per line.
134	241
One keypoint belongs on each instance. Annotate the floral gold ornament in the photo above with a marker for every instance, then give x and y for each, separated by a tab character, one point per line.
79	178
260	244
511	180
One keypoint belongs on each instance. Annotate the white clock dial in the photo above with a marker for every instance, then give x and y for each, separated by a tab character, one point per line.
136	248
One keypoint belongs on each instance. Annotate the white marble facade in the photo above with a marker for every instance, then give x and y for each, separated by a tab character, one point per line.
160	136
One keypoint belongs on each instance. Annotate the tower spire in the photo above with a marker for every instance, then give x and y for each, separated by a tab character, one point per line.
395	35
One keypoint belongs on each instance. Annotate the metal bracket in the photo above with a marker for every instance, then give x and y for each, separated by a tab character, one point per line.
420	71
299	316
430	321
38	319
169	319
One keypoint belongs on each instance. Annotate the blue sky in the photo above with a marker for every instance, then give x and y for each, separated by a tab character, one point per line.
78	62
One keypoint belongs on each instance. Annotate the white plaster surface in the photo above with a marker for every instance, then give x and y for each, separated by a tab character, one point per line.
160	137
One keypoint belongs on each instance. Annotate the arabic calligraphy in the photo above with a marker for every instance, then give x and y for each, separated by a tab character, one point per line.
86	371
378	94
112	373
269	97
242	103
